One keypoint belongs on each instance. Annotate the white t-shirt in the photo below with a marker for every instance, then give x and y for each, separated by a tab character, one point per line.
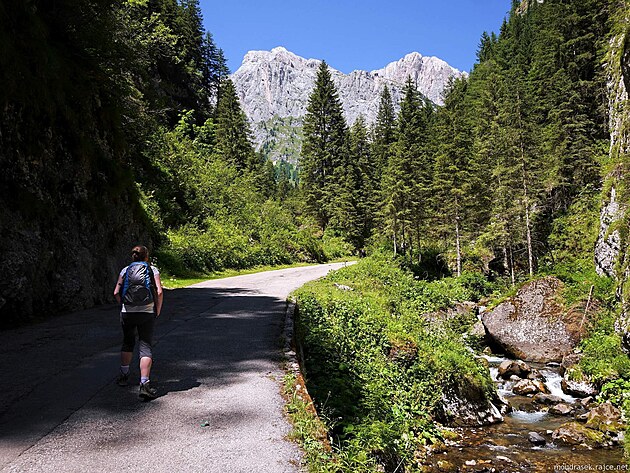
139	308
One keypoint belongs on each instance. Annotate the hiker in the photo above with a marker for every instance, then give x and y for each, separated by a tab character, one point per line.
139	290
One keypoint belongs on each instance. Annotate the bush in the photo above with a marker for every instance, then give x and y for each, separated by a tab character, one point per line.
374	370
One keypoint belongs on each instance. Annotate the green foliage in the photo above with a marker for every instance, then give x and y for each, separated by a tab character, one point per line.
603	358
374	367
617	392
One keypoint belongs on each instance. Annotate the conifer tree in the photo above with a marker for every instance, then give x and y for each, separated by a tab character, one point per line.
454	181
324	148
384	132
367	178
232	133
407	181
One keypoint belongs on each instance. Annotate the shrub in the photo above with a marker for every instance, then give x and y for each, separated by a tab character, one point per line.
375	372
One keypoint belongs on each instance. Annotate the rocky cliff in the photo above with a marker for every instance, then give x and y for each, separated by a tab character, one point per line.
611	251
277	84
69	209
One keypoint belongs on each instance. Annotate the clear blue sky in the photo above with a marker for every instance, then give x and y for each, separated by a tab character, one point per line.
353	34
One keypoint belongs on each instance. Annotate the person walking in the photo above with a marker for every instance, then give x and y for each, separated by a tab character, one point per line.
139	291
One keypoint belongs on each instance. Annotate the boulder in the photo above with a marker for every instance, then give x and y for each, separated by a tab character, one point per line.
478	330
561	409
605	418
536	439
529	386
574	433
533	326
468	405
582	389
535	374
514	367
547	399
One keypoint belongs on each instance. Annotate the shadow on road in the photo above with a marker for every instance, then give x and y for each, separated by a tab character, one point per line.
205	337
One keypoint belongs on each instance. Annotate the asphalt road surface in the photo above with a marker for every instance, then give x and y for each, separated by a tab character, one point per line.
217	368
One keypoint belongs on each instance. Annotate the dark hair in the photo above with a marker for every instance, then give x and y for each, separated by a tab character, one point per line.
139	253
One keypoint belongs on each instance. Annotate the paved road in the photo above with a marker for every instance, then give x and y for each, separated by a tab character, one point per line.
217	361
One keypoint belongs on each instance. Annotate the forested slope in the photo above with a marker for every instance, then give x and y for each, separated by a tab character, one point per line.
120	126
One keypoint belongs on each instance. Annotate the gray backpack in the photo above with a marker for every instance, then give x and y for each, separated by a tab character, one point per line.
138	284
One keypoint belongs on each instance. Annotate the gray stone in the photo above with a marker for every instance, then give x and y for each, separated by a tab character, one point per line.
536	439
533	326
466	405
580	389
547	399
561	409
510	368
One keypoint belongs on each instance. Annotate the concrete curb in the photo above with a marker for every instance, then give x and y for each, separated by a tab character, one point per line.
291	359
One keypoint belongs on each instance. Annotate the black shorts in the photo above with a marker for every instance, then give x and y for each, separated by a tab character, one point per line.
142	323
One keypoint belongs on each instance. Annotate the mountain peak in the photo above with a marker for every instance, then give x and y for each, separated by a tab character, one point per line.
278	83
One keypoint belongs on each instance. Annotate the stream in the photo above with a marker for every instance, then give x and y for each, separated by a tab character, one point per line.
505	447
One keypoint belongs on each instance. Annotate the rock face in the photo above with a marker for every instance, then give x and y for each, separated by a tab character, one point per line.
277	84
532	326
608	242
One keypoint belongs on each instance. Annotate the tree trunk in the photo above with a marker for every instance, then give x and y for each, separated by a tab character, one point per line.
458	246
530	253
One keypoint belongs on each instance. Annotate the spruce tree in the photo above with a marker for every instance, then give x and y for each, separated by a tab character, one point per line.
454	179
367	178
324	148
232	133
384	132
406	186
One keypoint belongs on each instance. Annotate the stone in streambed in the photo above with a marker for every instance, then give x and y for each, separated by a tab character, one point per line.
581	389
529	386
605	418
574	433
561	409
533	325
547	399
536	439
510	368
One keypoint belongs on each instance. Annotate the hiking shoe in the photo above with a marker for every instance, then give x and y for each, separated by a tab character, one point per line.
123	379
147	392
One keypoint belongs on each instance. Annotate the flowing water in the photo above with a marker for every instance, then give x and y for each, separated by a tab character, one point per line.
505	447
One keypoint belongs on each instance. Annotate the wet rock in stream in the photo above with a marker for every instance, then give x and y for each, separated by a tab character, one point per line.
561	409
605	418
547	399
536	439
577	388
510	368
529	386
574	433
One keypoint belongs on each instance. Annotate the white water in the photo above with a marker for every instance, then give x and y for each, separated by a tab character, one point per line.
553	382
495	359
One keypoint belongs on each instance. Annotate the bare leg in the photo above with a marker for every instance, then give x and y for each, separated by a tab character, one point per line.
145	366
125	358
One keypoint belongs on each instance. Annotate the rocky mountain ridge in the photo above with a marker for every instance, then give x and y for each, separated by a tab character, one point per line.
277	84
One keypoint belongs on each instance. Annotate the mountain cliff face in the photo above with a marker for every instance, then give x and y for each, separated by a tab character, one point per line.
612	250
277	84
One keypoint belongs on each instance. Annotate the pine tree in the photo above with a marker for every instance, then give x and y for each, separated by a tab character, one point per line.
384	132
407	181
324	148
367	177
454	179
232	134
